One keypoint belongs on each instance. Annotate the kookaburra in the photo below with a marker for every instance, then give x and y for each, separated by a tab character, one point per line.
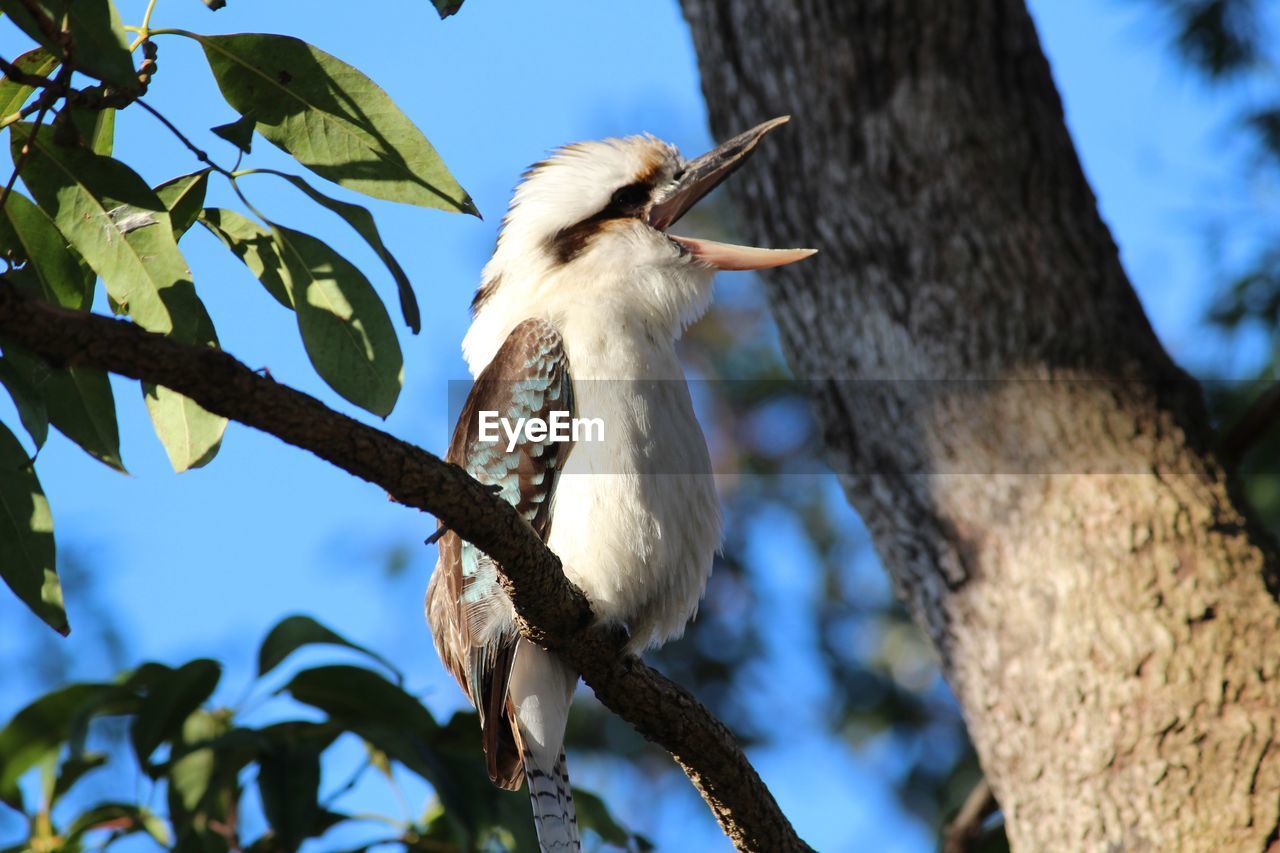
578	312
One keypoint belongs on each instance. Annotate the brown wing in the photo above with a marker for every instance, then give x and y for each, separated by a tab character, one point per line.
470	616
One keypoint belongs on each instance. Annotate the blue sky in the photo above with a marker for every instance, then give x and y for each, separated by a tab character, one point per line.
203	563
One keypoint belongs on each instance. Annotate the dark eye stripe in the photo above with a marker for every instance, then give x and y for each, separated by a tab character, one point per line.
626	203
628	200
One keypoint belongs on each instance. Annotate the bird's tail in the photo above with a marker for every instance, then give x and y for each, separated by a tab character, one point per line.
553	814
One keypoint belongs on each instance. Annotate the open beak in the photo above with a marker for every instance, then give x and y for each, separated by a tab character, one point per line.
700	177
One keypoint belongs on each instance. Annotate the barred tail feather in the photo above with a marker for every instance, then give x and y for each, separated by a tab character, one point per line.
552	800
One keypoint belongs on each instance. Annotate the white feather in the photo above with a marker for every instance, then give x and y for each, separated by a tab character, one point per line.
636	520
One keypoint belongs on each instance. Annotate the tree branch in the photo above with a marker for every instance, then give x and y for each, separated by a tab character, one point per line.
962	833
17	75
551	611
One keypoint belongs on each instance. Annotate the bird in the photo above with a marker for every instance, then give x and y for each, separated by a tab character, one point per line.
578	312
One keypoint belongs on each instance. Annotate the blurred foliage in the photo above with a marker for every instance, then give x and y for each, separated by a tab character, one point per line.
1219	37
201	762
1233	43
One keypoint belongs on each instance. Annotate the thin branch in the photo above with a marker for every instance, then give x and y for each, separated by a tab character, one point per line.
550	610
24	78
21	160
960	835
144	30
1261	415
42	102
100	97
201	155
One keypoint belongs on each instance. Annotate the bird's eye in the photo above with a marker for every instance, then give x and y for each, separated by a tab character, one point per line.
630	197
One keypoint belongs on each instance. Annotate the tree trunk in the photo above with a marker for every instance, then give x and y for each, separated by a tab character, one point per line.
1035	471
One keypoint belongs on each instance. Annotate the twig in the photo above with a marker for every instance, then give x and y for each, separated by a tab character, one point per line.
144	31
100	97
63	76
550	610
26	78
1261	415
191	146
958	835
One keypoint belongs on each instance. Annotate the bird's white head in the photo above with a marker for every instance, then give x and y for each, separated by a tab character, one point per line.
588	227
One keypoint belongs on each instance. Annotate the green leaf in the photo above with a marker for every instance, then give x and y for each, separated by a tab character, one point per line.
239	132
170	700
98	41
28	235
97	129
203	780
14	94
27	551
27	400
191	775
119	700
289	783
396	723
37	731
79	401
184	196
357	695
294	632
362	221
345	328
123	230
191	434
471	803
103	136
331	118
445	8
121	819
253	245
110	215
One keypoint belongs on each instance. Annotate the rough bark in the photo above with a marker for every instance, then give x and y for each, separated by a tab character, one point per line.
551	611
1035	471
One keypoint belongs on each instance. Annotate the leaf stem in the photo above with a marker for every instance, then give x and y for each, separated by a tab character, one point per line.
144	31
203	157
258	213
191	146
167	31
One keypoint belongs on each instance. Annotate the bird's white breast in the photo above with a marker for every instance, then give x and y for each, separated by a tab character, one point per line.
636	519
